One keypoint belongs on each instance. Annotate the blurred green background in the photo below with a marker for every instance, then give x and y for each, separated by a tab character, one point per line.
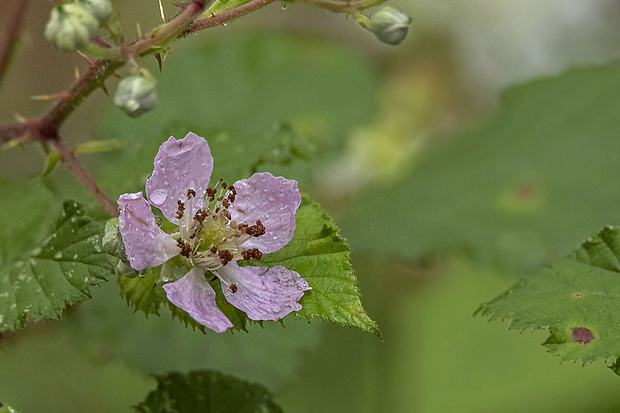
446	187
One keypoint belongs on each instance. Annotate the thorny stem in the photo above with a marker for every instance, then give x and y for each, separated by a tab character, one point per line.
46	128
71	161
221	18
93	79
12	37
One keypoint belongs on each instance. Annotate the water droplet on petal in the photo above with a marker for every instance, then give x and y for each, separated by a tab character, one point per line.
271	199
159	196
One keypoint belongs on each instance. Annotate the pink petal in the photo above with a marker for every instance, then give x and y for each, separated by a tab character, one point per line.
262	293
194	294
274	201
146	244
180	165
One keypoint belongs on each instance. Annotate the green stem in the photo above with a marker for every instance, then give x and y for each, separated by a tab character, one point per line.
225	16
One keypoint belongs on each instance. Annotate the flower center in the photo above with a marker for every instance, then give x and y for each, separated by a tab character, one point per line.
211	238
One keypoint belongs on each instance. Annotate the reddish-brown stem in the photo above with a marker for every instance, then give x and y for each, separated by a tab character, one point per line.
12	37
221	18
9	132
71	161
46	128
84	86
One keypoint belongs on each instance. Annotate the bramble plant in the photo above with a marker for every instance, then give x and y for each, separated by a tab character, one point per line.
221	256
181	229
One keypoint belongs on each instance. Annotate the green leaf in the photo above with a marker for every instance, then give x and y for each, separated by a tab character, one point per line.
53	157
58	273
321	256
271	354
5	408
206	391
576	299
317	252
145	292
504	191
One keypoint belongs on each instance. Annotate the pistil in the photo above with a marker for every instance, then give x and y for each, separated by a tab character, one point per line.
211	238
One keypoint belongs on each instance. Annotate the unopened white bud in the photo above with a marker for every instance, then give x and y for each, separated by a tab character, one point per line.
70	27
389	25
136	95
101	9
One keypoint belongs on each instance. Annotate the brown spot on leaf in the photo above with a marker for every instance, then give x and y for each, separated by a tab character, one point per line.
582	335
526	192
578	295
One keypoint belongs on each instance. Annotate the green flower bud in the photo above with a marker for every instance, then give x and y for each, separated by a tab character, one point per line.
389	25
101	9
136	95
70	27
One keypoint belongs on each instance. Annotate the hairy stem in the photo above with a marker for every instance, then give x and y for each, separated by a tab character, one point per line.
82	174
46	128
99	71
12	36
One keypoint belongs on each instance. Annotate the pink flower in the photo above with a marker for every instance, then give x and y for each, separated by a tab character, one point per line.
215	228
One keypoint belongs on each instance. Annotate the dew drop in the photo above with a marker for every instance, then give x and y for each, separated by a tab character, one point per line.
159	196
271	199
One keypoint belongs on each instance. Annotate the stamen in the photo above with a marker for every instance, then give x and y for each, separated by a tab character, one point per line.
211	194
225	256
201	215
213	243
252	253
180	209
254	230
232	288
186	250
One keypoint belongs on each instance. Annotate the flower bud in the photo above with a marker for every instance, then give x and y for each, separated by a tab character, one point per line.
389	25
136	95
70	27
101	9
